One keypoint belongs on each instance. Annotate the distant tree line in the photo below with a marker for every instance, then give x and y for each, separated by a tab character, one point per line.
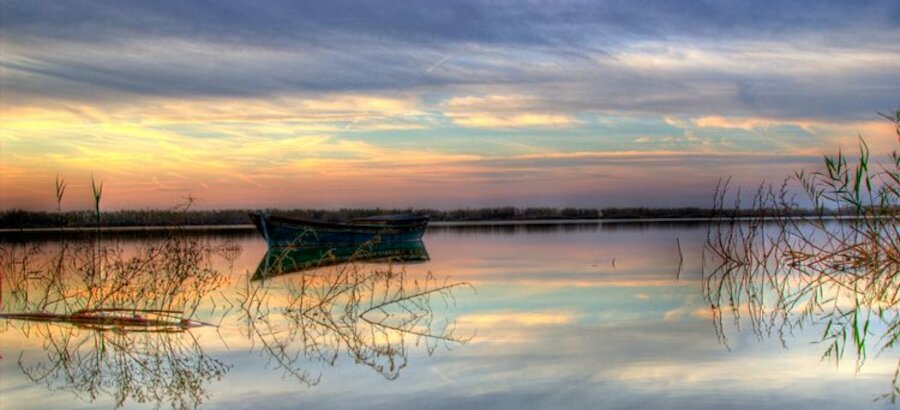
19	219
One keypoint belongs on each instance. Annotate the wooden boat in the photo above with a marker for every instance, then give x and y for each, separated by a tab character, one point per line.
282	261
281	232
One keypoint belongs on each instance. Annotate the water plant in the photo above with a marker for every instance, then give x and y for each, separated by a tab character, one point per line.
114	321
838	268
97	192
60	190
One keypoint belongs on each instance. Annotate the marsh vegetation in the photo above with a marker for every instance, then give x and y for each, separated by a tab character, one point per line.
777	275
19	219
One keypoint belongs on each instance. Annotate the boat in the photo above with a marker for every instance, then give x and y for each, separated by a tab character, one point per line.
281	261
283	232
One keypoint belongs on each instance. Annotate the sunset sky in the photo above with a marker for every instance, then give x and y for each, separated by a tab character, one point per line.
438	104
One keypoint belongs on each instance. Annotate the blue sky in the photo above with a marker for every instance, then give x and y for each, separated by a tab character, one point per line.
446	104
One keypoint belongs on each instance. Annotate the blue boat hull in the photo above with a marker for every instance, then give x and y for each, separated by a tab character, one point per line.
280	232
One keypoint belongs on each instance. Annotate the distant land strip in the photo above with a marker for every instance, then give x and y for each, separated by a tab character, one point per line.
20	219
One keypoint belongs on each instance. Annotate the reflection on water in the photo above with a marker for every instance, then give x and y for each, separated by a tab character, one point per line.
546	227
81	277
118	321
776	277
372	314
279	261
115	321
586	316
165	368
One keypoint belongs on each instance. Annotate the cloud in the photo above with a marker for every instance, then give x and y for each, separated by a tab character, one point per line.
773	60
502	111
316	114
538	22
511	97
358	149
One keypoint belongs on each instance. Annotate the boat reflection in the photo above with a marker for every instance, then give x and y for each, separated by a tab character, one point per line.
280	261
368	314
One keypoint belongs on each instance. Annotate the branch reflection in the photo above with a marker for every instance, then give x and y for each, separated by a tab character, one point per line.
114	321
336	305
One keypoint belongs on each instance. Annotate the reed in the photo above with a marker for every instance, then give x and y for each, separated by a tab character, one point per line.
97	192
91	283
156	287
60	190
115	322
778	273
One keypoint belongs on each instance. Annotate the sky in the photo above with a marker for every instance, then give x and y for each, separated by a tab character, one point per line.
246	104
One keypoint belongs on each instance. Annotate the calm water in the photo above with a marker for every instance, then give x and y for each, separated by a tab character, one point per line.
574	316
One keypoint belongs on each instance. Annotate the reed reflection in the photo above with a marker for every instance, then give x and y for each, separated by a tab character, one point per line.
115	322
337	306
153	366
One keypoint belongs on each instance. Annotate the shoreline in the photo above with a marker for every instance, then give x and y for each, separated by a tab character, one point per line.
436	224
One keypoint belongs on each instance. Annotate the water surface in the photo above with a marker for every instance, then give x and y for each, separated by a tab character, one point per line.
549	316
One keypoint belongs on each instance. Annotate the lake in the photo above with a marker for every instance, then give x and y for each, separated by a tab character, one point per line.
614	315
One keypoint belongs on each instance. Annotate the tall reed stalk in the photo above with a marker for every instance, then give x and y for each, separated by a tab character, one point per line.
60	191
97	191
